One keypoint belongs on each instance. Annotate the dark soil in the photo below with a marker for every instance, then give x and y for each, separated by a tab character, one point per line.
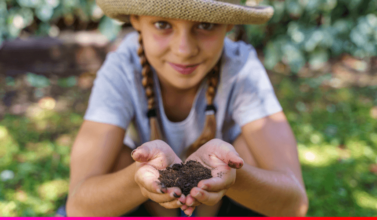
185	176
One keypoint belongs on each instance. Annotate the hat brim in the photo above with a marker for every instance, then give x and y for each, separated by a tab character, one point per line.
192	10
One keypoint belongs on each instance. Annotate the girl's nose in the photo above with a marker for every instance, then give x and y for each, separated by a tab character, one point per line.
185	45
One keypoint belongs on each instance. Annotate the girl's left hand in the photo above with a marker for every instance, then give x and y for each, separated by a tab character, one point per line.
220	157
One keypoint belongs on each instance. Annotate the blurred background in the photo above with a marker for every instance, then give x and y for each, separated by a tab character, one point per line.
320	56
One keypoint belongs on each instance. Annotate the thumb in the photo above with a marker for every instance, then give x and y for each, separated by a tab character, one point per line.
226	153
233	160
142	154
230	156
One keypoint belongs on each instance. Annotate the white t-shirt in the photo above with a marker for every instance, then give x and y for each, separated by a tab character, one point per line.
244	94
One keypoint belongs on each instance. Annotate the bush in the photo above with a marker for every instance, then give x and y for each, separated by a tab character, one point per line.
304	31
300	32
48	17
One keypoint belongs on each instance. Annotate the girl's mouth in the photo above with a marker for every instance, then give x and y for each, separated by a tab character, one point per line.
184	69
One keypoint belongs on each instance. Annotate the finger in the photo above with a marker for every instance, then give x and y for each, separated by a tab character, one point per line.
158	198
174	204
191	201
145	152
214	184
230	157
157	151
147	177
226	153
182	199
207	198
189	211
223	178
169	196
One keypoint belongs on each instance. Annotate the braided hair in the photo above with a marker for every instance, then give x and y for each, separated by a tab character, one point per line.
209	130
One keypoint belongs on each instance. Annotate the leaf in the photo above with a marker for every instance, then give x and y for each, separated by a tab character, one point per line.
109	28
37	80
44	12
67	82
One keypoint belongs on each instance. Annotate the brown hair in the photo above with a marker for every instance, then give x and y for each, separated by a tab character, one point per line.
209	131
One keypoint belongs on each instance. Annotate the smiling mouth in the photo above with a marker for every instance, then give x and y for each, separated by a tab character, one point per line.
184	69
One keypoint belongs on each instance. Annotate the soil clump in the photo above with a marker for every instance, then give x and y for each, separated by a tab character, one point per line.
185	176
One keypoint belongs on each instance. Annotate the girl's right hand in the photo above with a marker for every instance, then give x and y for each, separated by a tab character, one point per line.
151	157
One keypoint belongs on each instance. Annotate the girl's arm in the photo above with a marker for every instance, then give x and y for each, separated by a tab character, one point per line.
275	187
93	190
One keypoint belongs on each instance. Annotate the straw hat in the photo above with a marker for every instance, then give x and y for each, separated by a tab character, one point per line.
211	11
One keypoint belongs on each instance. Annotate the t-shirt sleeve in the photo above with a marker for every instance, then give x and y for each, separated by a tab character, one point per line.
253	97
110	101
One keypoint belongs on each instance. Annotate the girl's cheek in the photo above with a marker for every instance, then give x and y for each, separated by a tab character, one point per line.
211	43
161	42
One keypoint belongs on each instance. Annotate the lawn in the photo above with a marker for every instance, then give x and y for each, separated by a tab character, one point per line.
336	130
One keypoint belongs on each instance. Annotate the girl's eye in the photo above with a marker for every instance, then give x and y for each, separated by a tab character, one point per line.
162	25
206	26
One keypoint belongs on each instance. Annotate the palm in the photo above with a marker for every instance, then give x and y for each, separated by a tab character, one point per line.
207	156
220	157
154	156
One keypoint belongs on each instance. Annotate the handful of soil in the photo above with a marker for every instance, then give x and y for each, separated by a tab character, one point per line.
185	176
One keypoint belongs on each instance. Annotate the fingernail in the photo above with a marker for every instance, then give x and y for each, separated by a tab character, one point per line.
175	195
162	190
132	152
204	187
179	202
196	194
231	164
172	195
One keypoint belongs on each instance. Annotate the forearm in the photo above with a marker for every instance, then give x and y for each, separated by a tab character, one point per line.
271	193
106	195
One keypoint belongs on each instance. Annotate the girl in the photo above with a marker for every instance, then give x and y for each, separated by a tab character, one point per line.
178	79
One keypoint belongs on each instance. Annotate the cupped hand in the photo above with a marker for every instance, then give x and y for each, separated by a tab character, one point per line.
151	157
223	160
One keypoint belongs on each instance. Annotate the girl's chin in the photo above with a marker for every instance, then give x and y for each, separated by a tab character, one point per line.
183	84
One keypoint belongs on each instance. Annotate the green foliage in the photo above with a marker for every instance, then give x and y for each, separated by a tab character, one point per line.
47	17
37	80
337	143
304	31
36	148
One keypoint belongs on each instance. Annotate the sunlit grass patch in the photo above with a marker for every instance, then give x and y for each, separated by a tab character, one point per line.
360	149
365	200
8	208
8	147
36	206
65	140
52	190
36	151
318	155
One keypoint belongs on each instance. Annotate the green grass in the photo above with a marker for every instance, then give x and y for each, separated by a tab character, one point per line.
337	142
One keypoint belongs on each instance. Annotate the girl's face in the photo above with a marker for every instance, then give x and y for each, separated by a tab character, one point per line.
182	52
